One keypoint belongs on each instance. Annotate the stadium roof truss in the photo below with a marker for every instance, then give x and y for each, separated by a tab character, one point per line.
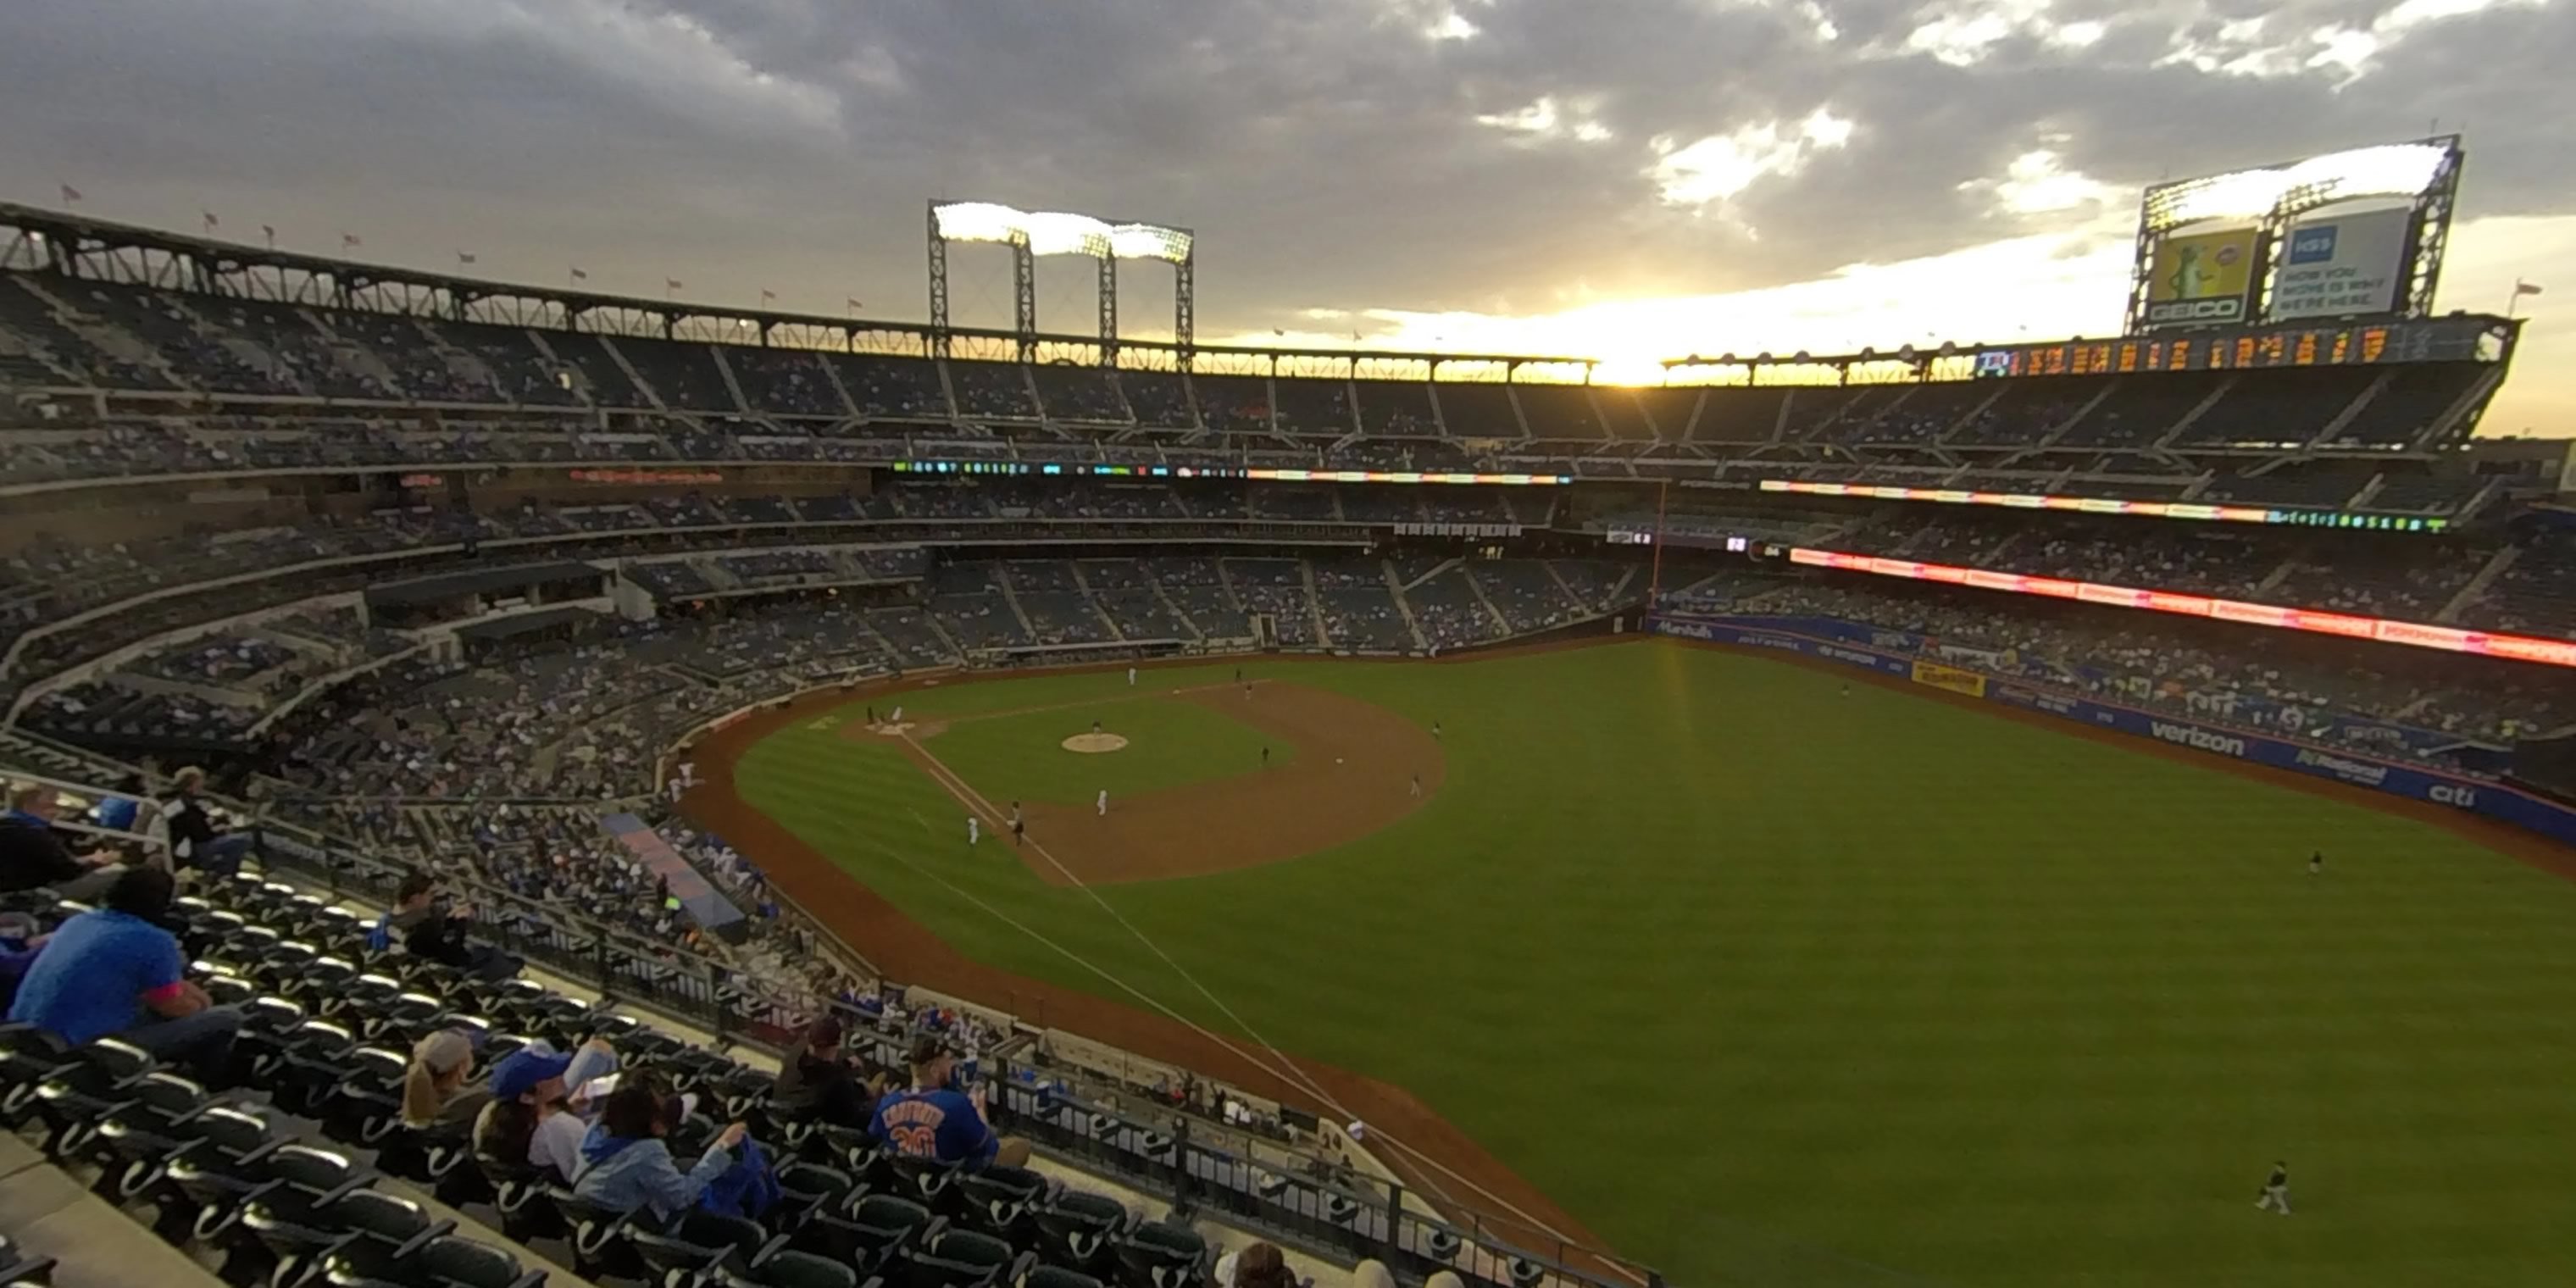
1030	234
79	248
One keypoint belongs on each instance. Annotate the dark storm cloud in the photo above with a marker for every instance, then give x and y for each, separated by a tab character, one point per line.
1327	150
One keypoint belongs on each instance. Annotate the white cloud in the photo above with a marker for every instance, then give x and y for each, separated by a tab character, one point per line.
2037	182
1819	22
1718	166
1545	118
2241	47
1452	25
1962	33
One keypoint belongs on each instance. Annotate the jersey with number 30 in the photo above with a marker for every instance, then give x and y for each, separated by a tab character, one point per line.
934	1124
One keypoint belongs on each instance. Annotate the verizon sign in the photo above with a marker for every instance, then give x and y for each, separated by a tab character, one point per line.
2339	265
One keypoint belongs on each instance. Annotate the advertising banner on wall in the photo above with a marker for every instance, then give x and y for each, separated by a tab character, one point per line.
2341	265
2202	279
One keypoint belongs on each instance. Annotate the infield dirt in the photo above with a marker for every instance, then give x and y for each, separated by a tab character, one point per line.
1354	773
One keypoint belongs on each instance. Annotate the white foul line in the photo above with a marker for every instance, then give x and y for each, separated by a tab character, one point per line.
966	795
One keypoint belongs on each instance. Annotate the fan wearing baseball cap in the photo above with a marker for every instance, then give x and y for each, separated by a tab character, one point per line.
934	1120
531	1118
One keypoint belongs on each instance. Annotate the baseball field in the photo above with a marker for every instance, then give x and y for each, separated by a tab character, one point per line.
1754	972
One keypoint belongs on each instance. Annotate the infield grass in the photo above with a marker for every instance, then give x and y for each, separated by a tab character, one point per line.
1776	986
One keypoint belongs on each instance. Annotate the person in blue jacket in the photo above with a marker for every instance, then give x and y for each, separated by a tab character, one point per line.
625	1166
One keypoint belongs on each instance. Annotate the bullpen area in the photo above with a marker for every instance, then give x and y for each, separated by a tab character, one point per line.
1756	972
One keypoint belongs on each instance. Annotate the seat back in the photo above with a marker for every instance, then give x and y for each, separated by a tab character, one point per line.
385	1218
1081	1231
597	1236
451	1262
800	1270
1046	1276
1160	1254
958	1259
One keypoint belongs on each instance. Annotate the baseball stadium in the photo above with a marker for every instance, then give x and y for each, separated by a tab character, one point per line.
1972	814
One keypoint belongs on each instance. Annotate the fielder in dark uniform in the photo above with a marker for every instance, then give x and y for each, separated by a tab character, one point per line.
2316	862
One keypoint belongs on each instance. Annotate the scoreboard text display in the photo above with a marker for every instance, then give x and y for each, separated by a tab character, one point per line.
2429	340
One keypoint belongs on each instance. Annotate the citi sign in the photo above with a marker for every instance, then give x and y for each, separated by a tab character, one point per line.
2195	736
2453	795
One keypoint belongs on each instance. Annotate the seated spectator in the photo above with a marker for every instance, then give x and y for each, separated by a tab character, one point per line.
33	854
434	1094
195	840
934	1120
1258	1265
118	973
626	1167
535	1116
427	928
819	1083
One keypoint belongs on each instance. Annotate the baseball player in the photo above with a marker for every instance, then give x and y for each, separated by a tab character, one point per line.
1435	731
1019	826
974	830
896	718
1265	758
1131	677
2316	862
1417	786
1095	728
2276	1191
1102	804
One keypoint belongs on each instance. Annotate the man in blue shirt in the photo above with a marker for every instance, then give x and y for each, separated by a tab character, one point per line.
116	973
934	1120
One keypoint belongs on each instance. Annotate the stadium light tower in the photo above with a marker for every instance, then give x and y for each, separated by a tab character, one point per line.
1030	234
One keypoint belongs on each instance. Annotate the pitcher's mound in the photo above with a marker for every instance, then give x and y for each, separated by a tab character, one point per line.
1092	743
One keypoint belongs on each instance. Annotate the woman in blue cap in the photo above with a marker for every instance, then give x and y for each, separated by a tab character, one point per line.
534	1115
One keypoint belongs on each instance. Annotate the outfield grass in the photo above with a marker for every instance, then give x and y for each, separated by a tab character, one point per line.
1767	983
1171	742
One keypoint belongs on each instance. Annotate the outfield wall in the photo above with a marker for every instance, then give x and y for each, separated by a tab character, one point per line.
1842	642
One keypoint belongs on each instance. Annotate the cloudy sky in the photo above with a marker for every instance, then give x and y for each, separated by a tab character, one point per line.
1627	179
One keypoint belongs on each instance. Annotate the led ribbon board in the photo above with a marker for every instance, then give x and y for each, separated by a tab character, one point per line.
2106	505
1224	472
2521	648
